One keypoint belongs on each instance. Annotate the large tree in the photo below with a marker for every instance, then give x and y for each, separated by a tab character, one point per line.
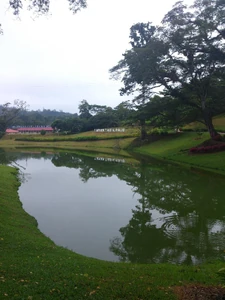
184	57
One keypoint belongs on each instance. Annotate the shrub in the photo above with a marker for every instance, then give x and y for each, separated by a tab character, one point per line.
43	132
207	149
187	129
158	131
71	139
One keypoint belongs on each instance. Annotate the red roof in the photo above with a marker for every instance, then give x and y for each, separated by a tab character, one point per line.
9	130
34	129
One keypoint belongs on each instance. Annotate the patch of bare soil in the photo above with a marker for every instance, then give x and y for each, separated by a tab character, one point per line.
199	292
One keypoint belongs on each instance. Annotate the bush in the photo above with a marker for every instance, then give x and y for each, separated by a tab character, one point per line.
198	130
187	129
157	131
207	149
71	139
43	132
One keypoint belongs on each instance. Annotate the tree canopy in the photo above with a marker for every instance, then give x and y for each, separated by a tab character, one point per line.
43	6
40	7
183	59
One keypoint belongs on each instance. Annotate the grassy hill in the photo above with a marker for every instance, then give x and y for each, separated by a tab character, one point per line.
175	148
218	122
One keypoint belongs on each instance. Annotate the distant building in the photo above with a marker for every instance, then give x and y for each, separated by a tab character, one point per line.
29	130
11	131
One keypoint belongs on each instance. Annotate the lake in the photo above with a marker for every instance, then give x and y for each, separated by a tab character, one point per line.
119	209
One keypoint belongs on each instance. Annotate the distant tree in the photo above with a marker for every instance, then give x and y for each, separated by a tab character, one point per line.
69	125
8	114
38	117
84	110
95	109
124	112
76	124
105	119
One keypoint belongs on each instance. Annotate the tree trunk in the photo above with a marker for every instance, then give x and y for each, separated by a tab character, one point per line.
208	122
143	130
208	119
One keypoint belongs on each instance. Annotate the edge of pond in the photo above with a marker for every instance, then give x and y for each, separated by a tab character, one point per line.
115	151
45	270
186	165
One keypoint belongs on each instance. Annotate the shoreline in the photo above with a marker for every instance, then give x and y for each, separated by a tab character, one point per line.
168	149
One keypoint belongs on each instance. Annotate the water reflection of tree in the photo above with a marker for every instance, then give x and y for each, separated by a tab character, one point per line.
191	224
6	158
196	206
13	158
88	166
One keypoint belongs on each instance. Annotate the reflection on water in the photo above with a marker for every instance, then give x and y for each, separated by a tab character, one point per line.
113	210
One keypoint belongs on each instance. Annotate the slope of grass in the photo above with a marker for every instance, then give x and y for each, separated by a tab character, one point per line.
32	267
70	138
116	143
218	122
84	136
175	148
91	139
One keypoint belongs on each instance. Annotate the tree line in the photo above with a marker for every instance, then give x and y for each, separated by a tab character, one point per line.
176	70
90	117
93	116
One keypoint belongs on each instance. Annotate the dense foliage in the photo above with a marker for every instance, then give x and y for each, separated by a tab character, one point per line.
90	117
183	60
40	117
96	117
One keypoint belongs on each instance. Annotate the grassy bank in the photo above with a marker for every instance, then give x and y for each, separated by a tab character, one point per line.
88	140
33	267
175	148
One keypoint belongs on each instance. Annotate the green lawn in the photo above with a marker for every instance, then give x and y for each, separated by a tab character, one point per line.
33	267
175	148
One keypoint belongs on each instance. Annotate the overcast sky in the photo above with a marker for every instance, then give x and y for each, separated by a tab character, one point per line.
56	61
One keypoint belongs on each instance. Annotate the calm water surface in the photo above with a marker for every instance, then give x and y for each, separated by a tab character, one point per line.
104	207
